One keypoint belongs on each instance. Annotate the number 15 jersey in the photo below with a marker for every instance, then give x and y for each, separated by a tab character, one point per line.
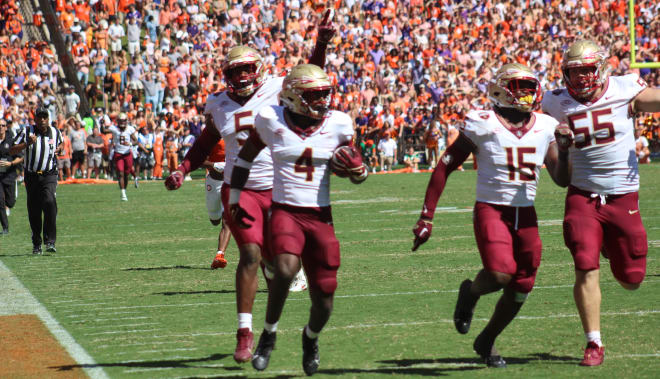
509	159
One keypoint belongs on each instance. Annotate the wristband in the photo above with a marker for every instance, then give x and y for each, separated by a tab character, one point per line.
234	196
239	162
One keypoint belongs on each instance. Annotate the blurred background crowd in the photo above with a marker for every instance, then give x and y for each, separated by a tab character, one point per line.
407	71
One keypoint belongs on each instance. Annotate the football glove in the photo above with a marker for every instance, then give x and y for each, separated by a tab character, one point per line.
422	232
174	181
564	136
326	30
239	215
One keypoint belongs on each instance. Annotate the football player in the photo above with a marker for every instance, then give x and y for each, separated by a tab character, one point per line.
124	136
510	144
215	166
602	209
301	136
230	116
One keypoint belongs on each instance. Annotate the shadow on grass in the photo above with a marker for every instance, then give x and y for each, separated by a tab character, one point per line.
201	292
164	268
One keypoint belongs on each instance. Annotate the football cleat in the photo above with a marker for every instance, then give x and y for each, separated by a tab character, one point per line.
36	250
299	283
50	248
266	345
219	261
593	355
588	55
310	359
515	86
464	309
244	345
307	90
488	353
124	197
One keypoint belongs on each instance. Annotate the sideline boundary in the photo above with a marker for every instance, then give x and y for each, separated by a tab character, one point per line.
19	300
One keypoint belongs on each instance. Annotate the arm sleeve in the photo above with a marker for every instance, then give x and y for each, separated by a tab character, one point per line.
199	150
453	157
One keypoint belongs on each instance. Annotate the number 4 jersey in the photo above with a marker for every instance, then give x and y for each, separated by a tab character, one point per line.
509	159
603	155
301	162
235	121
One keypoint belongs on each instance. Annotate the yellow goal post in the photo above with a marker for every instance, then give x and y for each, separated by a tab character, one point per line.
631	24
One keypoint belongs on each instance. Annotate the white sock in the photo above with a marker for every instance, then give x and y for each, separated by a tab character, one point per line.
245	321
222	252
270	328
123	192
310	334
594	337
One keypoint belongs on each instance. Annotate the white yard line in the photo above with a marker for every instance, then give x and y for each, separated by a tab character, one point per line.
18	300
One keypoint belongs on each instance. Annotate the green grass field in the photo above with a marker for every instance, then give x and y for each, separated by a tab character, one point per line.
131	283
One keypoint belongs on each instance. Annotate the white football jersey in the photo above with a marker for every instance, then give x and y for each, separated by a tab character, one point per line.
509	159
235	121
302	163
121	137
603	155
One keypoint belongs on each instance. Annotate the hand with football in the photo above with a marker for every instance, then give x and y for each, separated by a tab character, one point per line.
422	232
326	29
564	136
174	181
346	162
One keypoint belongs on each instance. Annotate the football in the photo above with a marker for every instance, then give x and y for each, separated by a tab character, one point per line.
338	163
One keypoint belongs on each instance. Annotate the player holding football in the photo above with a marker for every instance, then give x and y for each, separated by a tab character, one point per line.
602	209
230	116
302	136
124	136
510	144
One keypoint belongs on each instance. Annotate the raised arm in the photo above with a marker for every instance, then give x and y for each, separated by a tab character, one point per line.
453	157
326	30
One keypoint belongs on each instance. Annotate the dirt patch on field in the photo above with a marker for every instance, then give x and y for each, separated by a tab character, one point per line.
29	350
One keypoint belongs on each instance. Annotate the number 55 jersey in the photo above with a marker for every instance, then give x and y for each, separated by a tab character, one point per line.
301	158
509	159
603	155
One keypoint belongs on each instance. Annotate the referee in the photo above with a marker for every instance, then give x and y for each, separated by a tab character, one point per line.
40	142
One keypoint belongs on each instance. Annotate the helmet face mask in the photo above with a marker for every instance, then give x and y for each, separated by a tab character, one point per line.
585	69
515	86
307	91
243	71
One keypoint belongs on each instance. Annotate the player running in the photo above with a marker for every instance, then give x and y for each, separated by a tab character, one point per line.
124	136
301	136
510	144
230	116
602	202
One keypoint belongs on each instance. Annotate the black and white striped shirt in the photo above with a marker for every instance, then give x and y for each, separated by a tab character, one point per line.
40	156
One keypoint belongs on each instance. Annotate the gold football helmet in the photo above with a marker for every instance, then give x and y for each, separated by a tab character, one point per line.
307	90
515	86
243	69
588	55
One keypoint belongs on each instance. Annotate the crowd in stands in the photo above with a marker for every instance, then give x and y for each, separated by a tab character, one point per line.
400	66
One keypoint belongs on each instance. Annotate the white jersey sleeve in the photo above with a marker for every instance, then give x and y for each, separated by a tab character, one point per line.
301	161
604	135
235	121
509	159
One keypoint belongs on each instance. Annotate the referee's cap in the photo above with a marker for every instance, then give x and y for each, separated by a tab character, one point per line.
41	112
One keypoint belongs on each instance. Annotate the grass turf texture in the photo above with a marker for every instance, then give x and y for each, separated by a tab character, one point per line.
131	282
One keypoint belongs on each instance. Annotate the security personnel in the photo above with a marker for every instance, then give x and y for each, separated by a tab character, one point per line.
8	165
40	142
